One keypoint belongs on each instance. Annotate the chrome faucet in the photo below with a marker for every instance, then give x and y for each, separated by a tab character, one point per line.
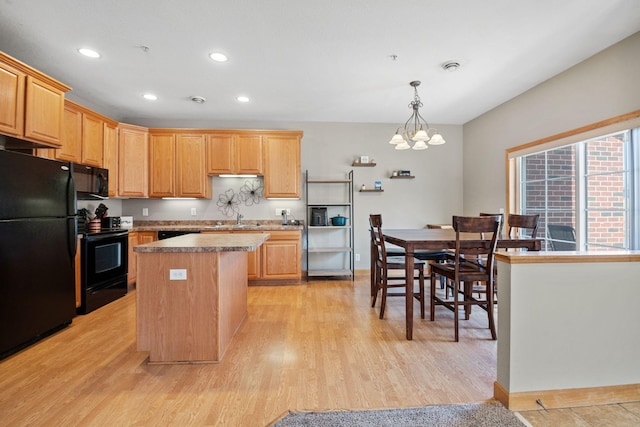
239	219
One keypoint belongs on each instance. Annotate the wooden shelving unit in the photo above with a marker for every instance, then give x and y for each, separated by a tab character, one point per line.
371	191
336	248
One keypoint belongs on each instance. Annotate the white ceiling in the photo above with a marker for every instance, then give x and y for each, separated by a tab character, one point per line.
304	60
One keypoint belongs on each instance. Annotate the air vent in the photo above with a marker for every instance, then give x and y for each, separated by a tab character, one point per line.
451	66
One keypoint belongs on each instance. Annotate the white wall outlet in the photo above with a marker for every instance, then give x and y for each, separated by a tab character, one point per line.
357	257
145	211
194	212
177	274
279	211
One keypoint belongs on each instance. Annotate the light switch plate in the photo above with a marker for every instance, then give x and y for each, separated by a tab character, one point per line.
177	274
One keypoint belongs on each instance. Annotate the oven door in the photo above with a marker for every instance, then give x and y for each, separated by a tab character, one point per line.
104	257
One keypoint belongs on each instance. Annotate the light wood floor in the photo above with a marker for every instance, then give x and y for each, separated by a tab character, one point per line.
306	347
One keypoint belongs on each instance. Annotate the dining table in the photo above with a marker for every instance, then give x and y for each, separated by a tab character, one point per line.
412	240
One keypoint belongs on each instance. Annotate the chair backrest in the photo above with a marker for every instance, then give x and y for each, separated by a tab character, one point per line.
501	215
563	237
489	229
527	222
377	238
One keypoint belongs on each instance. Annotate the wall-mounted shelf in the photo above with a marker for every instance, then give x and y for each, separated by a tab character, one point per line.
402	177
363	165
371	191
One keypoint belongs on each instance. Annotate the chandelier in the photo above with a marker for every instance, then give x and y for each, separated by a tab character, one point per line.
416	129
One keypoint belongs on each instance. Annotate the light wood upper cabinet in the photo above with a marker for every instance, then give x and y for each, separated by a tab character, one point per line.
133	157
71	147
44	108
162	160
234	153
282	165
92	140
178	165
31	103
110	156
12	83
82	137
191	175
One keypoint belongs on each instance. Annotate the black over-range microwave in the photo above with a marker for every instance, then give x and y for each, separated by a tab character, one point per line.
91	183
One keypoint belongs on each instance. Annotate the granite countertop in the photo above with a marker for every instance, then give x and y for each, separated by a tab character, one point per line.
248	225
239	242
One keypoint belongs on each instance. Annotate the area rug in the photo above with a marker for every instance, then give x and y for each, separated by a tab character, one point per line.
475	414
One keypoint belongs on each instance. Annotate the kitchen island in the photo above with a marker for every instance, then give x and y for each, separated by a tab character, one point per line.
192	295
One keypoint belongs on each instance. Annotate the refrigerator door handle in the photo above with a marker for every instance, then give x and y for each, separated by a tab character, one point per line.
72	236
71	191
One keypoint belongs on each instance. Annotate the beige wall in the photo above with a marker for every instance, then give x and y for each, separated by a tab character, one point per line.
604	86
328	150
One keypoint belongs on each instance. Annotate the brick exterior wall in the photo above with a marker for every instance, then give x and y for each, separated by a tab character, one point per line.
605	200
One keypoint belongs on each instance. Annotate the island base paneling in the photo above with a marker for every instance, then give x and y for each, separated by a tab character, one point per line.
195	319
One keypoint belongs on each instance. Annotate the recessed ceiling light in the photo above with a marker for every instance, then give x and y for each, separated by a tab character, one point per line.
89	52
242	98
218	56
150	96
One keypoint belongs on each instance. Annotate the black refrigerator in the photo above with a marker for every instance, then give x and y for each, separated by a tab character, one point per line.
38	232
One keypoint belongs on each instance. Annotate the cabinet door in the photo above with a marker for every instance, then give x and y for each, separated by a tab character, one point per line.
71	143
253	264
92	140
110	156
132	267
133	155
282	166
191	176
248	150
12	84
43	112
281	256
162	161
220	154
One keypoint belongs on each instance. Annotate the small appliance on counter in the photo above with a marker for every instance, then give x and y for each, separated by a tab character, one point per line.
319	217
110	222
126	221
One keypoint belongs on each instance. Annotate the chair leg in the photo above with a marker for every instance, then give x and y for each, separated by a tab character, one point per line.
383	301
456	295
376	286
432	295
492	322
421	284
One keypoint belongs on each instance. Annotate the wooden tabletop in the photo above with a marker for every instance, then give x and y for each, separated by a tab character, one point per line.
428	238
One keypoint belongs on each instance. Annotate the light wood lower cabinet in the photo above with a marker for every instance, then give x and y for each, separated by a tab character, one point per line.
137	238
278	259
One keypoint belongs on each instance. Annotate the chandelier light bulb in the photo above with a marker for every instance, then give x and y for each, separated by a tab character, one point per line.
403	146
420	145
397	139
421	135
437	139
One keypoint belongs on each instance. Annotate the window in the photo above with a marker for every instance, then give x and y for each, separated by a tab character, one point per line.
585	192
